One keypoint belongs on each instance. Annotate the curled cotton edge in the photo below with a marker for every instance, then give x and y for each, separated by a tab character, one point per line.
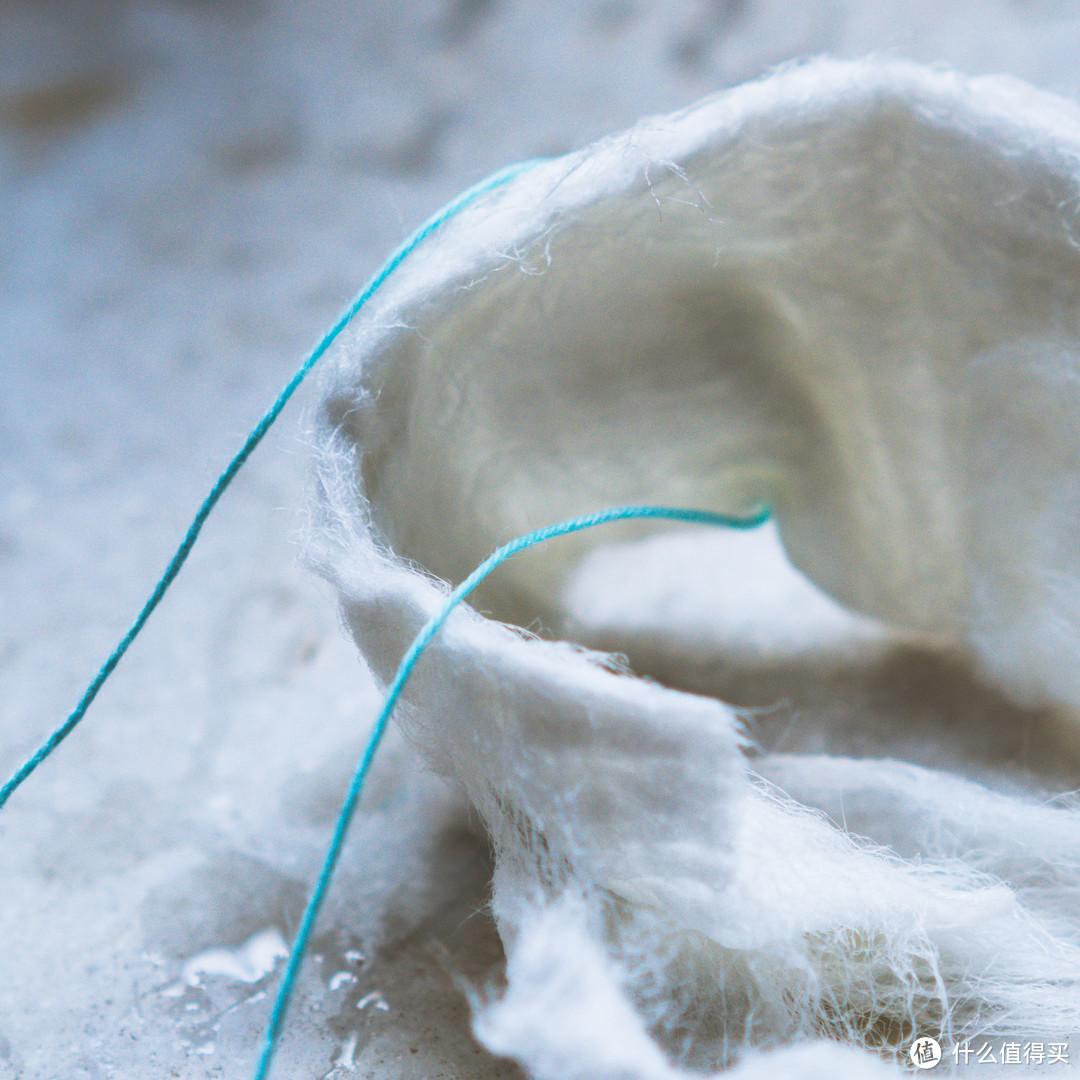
850	291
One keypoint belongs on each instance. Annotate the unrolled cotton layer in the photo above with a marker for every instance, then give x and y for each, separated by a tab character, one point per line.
849	290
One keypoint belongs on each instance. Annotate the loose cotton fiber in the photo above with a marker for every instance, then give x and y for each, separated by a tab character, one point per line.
849	291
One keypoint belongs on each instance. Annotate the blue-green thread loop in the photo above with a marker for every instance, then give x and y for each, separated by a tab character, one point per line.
425	636
234	466
408	664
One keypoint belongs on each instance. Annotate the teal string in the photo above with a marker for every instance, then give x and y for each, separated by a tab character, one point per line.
419	644
405	669
234	466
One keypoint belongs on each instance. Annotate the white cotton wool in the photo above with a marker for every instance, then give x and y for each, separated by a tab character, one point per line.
850	290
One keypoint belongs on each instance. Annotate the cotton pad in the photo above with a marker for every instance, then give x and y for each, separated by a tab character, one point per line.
848	291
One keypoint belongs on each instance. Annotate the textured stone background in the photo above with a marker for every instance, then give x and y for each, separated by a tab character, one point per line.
191	191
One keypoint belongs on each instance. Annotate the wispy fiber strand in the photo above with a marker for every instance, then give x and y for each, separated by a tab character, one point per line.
234	466
405	669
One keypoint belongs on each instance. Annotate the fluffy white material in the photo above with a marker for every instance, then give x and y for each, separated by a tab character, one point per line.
849	290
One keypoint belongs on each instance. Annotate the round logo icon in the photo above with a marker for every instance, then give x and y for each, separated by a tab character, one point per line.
925	1052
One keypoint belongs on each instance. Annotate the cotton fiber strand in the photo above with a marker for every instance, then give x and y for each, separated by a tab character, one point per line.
849	291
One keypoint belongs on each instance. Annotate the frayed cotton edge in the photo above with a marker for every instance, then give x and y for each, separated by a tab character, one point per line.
818	935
